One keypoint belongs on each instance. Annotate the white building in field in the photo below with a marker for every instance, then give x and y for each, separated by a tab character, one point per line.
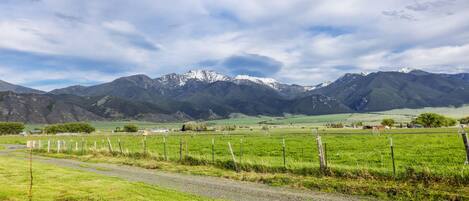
159	130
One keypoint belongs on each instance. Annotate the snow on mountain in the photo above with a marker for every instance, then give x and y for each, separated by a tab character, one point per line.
324	84
406	70
259	80
206	76
199	75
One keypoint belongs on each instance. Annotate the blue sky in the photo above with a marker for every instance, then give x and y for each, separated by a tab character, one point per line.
47	44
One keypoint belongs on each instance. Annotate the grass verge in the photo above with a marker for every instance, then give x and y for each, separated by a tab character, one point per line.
60	184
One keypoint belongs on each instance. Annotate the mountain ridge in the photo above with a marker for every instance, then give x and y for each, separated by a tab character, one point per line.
201	94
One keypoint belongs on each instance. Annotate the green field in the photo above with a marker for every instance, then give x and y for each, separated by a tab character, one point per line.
53	183
370	118
429	162
421	155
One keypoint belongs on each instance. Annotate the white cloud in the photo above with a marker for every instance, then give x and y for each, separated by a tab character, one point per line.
314	40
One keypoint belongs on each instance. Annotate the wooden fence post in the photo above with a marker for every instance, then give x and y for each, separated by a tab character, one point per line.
95	145
82	146
109	145
48	146
180	149
466	143
144	145
233	157
325	153
120	145
322	164
164	149
283	154
186	150
392	157
58	146
76	145
213	150
241	151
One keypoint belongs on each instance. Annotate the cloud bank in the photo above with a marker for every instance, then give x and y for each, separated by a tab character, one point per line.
54	43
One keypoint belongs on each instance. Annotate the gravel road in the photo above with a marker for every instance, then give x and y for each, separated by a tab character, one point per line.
212	187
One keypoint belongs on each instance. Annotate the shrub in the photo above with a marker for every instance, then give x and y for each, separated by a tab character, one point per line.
388	122
228	128
432	120
334	125
130	128
194	126
11	128
69	128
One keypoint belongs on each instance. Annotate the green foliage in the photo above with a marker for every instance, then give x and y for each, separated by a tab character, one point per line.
69	128
334	125
130	128
464	120
194	126
228	128
433	120
388	122
11	128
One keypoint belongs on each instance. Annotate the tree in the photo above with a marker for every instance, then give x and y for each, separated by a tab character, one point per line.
464	120
388	122
11	128
130	128
433	120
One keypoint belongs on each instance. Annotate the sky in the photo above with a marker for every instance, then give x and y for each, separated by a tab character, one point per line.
48	44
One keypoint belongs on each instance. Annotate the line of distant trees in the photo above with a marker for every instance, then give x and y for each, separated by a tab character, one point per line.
11	128
76	127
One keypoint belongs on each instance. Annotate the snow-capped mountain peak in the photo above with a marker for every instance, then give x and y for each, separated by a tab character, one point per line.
406	70
205	76
259	80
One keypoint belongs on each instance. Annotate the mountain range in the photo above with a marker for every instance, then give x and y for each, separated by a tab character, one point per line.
203	94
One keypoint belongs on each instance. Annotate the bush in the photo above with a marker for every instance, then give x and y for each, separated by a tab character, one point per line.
130	128
388	122
229	128
334	125
69	128
11	128
433	120
194	126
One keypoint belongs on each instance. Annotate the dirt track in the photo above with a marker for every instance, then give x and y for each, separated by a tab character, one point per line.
212	187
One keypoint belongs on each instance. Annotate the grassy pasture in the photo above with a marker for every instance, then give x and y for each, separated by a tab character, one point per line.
427	160
437	152
54	183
